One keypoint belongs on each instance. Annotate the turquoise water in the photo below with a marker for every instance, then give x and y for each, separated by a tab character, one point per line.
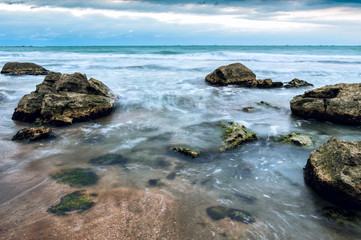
164	101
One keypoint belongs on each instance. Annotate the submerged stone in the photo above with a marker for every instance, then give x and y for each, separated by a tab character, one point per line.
153	182
234	135
342	217
25	68
186	151
171	176
220	212
109	159
76	177
33	134
248	109
297	138
267	104
77	200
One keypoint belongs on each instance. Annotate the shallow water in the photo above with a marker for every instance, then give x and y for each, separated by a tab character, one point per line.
164	101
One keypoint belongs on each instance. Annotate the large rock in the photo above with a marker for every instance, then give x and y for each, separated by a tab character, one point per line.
62	99
334	171
16	68
239	74
340	103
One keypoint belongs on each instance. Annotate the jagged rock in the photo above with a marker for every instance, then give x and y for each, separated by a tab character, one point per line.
16	68
62	99
334	171
239	74
300	139
33	134
186	151
234	135
296	83
340	103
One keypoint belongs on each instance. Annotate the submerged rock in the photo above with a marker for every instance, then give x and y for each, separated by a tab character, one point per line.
239	74
33	134
334	171
296	83
248	109
77	200
76	177
62	99
186	151
300	139
220	212
268	105
17	68
340	103
234	135
109	159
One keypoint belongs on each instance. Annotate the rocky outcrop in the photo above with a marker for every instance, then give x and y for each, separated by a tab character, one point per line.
239	74
340	103
296	83
17	68
299	139
62	99
233	135
33	134
334	171
186	151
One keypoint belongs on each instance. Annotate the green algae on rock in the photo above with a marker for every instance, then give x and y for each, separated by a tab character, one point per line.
342	217
297	138
220	212
109	159
77	200
33	134
234	135
186	151
76	177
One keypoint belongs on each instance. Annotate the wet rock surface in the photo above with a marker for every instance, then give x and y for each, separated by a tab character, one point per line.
296	83
109	159
297	138
62	99
186	151
33	134
75	201
220	212
76	177
25	68
340	103
334	171
234	135
239	74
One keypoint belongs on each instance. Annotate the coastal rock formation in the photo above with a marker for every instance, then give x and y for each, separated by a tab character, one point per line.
33	134
239	74
334	171
17	68
234	135
62	99
296	83
299	139
186	151
340	103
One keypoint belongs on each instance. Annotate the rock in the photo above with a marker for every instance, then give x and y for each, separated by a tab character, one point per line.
186	151
62	99
340	103
16	68
109	159
238	74
234	135
296	83
267	104
220	212
300	139
334	171
76	177
154	182
33	134
77	200
248	109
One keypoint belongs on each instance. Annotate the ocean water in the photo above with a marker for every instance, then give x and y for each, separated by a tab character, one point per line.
164	101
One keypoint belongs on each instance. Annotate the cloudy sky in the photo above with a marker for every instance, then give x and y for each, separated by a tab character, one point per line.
161	22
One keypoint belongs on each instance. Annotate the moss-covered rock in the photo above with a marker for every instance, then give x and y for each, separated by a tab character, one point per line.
76	177
342	217
109	159
33	134
77	200
297	138
234	135
186	151
220	212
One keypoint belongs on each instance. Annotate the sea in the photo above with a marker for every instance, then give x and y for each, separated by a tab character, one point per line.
164	101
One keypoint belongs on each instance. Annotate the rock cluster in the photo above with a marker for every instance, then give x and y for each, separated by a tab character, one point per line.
17	68
340	103
334	171
62	99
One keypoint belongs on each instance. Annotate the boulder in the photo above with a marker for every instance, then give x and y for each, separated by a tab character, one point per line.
296	83
234	135
62	99
26	68
340	103
239	74
33	134
334	171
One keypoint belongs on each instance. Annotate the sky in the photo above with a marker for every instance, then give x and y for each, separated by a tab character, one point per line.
161	22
